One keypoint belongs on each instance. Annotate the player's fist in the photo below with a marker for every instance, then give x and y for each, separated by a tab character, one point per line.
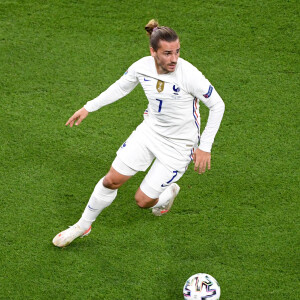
79	116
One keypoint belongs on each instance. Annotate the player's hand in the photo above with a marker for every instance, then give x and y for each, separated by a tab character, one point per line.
79	116
201	161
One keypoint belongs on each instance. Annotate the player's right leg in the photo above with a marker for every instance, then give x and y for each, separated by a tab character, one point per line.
103	195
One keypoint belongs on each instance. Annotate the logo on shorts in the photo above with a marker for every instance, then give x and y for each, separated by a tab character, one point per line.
160	86
124	145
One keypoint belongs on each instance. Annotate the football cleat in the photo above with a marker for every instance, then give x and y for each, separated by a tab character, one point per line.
159	211
67	236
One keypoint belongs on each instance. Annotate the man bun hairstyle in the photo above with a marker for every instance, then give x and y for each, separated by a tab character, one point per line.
157	33
150	26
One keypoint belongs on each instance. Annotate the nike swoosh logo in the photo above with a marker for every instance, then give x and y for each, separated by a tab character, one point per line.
146	79
92	209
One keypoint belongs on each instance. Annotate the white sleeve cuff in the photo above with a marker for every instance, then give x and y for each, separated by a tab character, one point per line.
205	146
89	106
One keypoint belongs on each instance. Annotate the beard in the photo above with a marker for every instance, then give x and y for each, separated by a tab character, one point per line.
164	67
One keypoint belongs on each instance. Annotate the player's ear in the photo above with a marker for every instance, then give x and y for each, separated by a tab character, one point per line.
152	51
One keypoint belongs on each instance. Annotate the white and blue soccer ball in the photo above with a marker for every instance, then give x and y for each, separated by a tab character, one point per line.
201	286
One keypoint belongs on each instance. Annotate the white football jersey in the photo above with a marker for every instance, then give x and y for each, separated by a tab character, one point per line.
173	108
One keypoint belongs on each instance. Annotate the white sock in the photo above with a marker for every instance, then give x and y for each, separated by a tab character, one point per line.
164	197
100	198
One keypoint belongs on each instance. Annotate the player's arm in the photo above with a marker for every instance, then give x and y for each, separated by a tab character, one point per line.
201	88
116	91
202	156
216	108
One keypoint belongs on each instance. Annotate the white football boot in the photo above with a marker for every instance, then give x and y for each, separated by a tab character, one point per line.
67	236
159	211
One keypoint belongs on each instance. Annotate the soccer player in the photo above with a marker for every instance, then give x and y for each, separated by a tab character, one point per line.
169	134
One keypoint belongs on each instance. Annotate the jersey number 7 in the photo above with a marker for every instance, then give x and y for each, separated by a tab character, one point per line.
160	105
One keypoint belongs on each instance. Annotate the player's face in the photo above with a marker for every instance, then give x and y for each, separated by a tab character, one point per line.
166	56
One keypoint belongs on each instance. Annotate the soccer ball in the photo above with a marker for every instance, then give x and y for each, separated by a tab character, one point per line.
201	286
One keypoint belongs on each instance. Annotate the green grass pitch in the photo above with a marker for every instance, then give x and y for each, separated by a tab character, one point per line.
238	222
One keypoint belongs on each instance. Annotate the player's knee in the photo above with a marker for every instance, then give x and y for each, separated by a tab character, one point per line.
143	201
110	183
140	201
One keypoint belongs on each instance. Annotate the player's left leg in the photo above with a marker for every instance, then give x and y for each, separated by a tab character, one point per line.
158	189
160	205
103	195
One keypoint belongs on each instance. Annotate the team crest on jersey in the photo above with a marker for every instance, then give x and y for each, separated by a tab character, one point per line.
176	89
160	86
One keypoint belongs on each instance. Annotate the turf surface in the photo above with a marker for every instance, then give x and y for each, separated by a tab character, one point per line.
239	222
